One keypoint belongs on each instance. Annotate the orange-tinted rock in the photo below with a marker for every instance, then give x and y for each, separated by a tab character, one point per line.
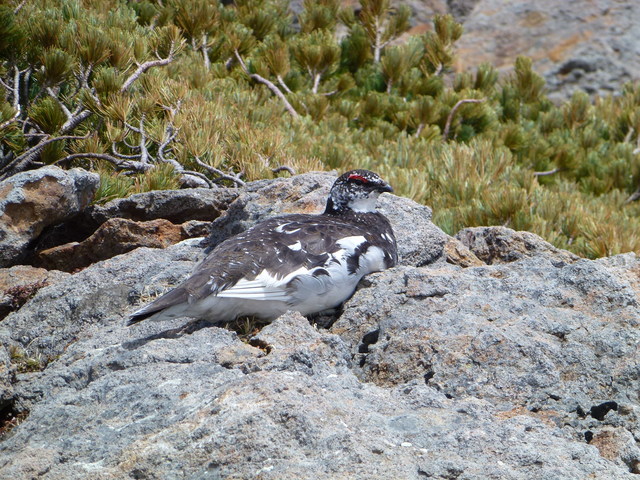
114	237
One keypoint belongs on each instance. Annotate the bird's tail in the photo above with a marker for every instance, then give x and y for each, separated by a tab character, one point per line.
160	304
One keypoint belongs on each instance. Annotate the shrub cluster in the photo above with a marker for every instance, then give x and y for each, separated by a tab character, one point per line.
156	95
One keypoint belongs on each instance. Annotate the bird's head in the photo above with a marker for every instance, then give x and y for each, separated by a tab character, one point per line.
356	190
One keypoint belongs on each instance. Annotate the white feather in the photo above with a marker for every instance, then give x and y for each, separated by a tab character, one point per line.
350	244
365	204
296	246
264	287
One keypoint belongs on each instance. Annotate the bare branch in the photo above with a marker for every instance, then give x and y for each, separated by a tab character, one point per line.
316	82
16	89
21	162
19	7
62	105
200	176
169	135
74	121
6	86
627	137
283	85
447	126
137	166
144	153
284	168
146	66
121	155
131	127
220	173
548	172
270	85
84	77
633	197
205	52
10	121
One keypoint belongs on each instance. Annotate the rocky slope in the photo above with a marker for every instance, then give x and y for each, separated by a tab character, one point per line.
589	45
489	355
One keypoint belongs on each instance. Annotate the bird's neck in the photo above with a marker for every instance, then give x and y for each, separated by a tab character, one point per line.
362	205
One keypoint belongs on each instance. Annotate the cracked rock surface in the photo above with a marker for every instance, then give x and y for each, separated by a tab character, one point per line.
523	368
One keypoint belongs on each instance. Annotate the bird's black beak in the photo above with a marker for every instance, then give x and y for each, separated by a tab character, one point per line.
385	187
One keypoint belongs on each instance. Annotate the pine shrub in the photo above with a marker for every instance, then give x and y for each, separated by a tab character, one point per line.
157	95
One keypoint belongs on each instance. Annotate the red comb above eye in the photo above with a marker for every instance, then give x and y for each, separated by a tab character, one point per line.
355	176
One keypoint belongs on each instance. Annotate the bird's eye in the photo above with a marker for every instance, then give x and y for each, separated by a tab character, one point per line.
358	179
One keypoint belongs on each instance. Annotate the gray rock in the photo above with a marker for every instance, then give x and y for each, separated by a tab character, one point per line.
20	282
502	245
176	206
269	198
503	371
533	337
54	318
31	201
153	404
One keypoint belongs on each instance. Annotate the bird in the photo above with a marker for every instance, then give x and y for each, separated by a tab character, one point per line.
309	263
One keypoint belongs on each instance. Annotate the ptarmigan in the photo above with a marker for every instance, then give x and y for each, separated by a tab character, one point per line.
300	262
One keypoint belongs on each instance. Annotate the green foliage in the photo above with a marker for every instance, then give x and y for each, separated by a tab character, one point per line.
162	92
47	114
438	45
319	15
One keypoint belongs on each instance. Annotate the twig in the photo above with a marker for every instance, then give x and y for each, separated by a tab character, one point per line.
198	175
316	82
146	66
121	155
62	105
270	85
16	89
138	166
220	173
131	127
284	168
627	137
169	134
282	84
548	172
6	86
27	156
144	153
205	52
633	197
75	121
19	7
453	111
10	121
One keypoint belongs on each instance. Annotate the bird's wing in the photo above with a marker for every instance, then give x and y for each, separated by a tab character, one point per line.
261	263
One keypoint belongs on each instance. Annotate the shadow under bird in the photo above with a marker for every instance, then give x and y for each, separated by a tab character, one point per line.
300	262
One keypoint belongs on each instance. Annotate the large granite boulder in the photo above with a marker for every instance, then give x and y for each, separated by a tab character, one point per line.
524	368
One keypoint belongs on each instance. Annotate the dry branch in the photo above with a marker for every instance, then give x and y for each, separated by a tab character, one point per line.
459	103
270	85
